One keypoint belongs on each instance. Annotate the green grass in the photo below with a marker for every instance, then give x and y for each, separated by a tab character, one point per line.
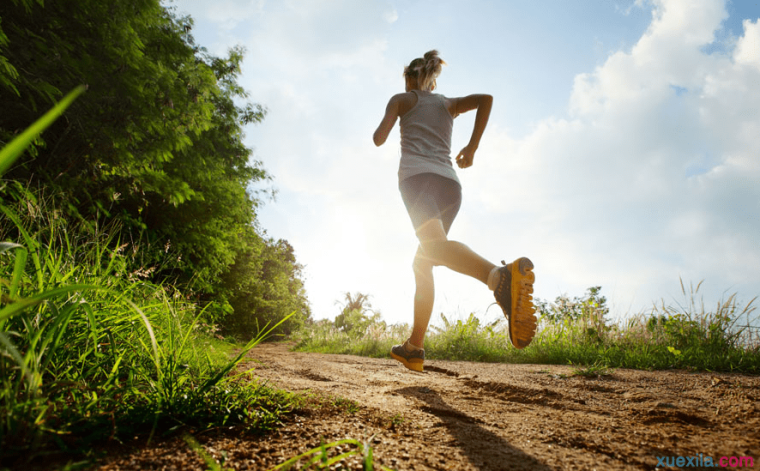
686	335
91	353
592	371
320	457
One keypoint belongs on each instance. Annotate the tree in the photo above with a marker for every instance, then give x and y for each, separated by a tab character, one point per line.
593	304
264	285
156	143
157	129
353	316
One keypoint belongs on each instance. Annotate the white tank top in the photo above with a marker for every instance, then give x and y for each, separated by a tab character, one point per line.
426	138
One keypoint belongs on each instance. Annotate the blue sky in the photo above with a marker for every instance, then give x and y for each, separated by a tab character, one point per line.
621	149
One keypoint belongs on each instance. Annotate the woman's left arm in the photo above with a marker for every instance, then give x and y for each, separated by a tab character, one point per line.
389	120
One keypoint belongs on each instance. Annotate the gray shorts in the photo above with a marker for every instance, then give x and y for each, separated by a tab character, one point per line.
431	196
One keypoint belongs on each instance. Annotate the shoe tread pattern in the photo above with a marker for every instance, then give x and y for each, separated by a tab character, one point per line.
515	296
523	327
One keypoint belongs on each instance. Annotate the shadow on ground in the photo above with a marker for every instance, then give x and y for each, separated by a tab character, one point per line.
484	449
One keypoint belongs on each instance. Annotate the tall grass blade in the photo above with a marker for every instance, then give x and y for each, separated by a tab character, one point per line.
255	341
207	458
157	358
16	147
6	246
18	271
320	449
14	353
31	245
19	306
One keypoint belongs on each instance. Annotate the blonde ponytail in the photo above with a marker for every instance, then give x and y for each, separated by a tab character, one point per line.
425	70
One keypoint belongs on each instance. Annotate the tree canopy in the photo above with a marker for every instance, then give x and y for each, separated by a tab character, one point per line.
155	143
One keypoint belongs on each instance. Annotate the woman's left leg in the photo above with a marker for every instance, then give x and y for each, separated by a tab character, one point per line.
424	297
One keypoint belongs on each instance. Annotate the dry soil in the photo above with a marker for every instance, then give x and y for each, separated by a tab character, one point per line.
481	416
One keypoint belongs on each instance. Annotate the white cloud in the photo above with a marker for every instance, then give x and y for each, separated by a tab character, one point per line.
228	14
391	16
612	184
651	173
311	32
748	48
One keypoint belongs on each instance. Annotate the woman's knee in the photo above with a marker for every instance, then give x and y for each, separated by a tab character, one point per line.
422	265
431	231
435	249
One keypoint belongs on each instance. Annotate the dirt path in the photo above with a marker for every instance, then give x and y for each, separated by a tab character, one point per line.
477	416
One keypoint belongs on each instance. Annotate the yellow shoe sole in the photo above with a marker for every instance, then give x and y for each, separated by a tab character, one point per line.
522	324
414	365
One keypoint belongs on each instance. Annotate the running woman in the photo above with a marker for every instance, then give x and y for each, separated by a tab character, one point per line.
432	195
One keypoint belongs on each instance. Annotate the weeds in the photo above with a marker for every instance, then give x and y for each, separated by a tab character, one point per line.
89	353
592	371
349	406
395	421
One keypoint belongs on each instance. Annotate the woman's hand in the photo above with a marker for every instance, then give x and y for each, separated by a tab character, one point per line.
466	156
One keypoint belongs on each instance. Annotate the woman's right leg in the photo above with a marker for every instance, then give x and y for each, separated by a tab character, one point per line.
433	203
513	285
437	249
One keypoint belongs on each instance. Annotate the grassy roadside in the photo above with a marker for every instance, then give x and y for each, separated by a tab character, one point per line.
687	335
91	353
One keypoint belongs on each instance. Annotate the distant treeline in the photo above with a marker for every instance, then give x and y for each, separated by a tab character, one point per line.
154	145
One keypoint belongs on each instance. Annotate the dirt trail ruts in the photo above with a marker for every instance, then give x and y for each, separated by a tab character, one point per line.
484	416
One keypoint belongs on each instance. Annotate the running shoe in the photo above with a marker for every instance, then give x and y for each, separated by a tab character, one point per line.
514	295
412	360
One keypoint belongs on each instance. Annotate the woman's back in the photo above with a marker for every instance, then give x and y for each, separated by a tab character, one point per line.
426	137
